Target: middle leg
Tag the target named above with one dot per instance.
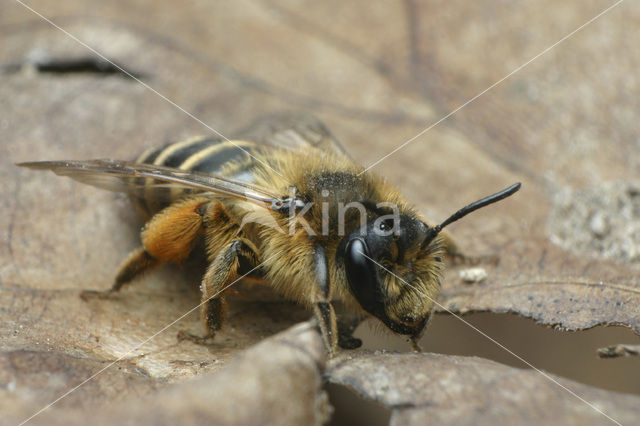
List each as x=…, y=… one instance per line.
x=234, y=261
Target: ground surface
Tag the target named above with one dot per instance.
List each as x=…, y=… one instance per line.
x=377, y=75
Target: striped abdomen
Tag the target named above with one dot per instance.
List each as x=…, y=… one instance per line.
x=203, y=154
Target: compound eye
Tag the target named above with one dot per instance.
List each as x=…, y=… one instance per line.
x=386, y=225
x=361, y=275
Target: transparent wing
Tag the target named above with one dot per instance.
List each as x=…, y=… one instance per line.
x=293, y=132
x=135, y=178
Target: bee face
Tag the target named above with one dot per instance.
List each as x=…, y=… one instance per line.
x=391, y=274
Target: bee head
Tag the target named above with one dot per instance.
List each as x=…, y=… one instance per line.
x=391, y=275
x=393, y=269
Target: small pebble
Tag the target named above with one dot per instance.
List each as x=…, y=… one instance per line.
x=598, y=225
x=473, y=275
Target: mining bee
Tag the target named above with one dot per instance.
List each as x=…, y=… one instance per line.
x=295, y=210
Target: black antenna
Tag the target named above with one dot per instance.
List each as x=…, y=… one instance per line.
x=432, y=232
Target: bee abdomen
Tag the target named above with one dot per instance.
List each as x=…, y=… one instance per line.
x=232, y=159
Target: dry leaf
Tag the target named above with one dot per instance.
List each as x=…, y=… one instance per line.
x=377, y=75
x=248, y=391
x=446, y=389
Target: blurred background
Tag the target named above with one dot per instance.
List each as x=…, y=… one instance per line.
x=561, y=118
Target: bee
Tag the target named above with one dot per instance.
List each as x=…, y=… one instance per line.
x=291, y=207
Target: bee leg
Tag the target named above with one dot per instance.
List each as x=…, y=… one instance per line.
x=346, y=327
x=237, y=259
x=415, y=344
x=138, y=262
x=167, y=237
x=460, y=258
x=323, y=310
x=212, y=312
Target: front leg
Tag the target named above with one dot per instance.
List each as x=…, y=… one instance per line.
x=323, y=309
x=347, y=325
x=236, y=259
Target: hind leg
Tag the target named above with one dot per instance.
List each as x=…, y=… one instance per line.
x=167, y=237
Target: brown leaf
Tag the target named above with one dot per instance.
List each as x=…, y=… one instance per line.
x=445, y=389
x=377, y=74
x=247, y=391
